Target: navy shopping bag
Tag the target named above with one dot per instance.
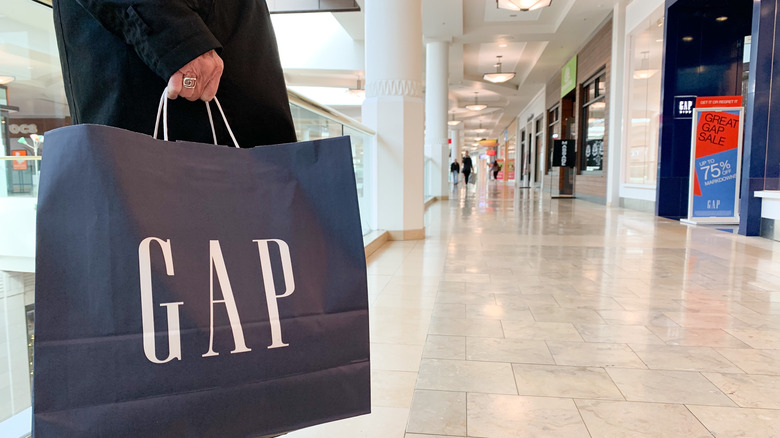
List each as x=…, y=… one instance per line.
x=191, y=290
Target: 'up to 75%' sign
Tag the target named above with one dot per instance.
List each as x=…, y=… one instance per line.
x=715, y=159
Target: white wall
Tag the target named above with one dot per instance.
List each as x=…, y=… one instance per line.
x=17, y=239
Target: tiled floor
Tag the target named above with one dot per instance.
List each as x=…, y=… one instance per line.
x=522, y=316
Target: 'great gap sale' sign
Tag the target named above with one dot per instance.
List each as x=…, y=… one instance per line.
x=715, y=159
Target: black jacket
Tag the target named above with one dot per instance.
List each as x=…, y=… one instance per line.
x=117, y=56
x=467, y=165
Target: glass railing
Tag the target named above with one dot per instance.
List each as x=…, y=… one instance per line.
x=19, y=176
x=314, y=121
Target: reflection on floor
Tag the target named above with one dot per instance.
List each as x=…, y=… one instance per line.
x=522, y=316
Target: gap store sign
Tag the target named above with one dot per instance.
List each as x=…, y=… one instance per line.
x=715, y=160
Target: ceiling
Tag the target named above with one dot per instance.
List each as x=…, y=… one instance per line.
x=533, y=44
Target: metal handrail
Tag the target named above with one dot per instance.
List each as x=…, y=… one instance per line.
x=328, y=113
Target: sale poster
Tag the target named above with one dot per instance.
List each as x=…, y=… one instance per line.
x=717, y=140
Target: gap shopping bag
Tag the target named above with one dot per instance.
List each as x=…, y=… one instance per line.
x=193, y=290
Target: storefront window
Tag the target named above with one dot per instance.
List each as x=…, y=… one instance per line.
x=640, y=159
x=594, y=114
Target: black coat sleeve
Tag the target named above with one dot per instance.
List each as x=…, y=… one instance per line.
x=165, y=34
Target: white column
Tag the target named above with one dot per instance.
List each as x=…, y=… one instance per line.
x=436, y=102
x=455, y=146
x=616, y=97
x=394, y=109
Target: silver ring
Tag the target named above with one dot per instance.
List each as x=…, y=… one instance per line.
x=189, y=82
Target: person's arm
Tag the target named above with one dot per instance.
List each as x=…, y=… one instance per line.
x=170, y=36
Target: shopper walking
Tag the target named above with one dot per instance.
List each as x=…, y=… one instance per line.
x=467, y=167
x=455, y=172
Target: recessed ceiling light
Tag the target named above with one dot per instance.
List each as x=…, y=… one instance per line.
x=722, y=19
x=687, y=39
x=502, y=45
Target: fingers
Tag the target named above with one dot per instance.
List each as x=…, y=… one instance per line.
x=206, y=69
x=175, y=85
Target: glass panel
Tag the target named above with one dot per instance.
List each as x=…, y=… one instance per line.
x=595, y=117
x=640, y=158
x=601, y=85
x=590, y=92
x=313, y=126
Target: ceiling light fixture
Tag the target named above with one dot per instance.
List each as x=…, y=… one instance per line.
x=480, y=129
x=5, y=80
x=498, y=77
x=476, y=106
x=453, y=122
x=644, y=71
x=687, y=39
x=359, y=91
x=721, y=19
x=524, y=5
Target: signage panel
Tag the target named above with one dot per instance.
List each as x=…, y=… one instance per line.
x=715, y=160
x=563, y=153
x=683, y=106
x=569, y=77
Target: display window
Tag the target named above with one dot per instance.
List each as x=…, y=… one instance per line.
x=642, y=117
x=594, y=116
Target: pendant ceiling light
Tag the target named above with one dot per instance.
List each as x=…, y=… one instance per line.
x=524, y=5
x=480, y=129
x=644, y=71
x=476, y=106
x=453, y=122
x=498, y=77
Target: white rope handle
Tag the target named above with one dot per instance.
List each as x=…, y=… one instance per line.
x=162, y=110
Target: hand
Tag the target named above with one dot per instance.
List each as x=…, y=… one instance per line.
x=206, y=69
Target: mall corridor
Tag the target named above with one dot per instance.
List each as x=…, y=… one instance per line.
x=524, y=316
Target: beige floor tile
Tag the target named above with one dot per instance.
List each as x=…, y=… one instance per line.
x=380, y=423
x=566, y=382
x=706, y=320
x=678, y=358
x=661, y=386
x=589, y=303
x=466, y=376
x=749, y=391
x=760, y=339
x=753, y=361
x=503, y=312
x=438, y=412
x=396, y=357
x=399, y=301
x=503, y=416
x=508, y=350
x=610, y=419
x=617, y=334
x=417, y=435
x=449, y=310
x=480, y=298
x=543, y=331
x=697, y=337
x=594, y=354
x=558, y=314
x=637, y=317
x=466, y=327
x=392, y=389
x=445, y=347
x=525, y=300
x=733, y=422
